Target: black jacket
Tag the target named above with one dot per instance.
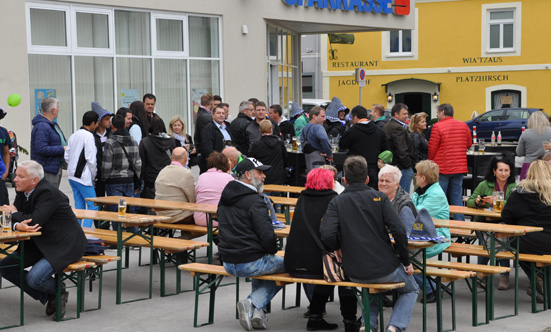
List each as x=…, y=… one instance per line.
x=368, y=141
x=253, y=133
x=62, y=241
x=213, y=140
x=287, y=129
x=155, y=154
x=238, y=132
x=358, y=222
x=270, y=150
x=526, y=209
x=421, y=146
x=245, y=228
x=400, y=144
x=302, y=253
x=202, y=119
x=99, y=148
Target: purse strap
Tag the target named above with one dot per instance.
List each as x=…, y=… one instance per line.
x=314, y=235
x=128, y=158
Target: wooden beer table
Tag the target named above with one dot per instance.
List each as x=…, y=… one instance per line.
x=12, y=239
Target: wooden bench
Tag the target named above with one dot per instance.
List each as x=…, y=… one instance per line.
x=170, y=249
x=96, y=273
x=216, y=273
x=75, y=273
x=539, y=265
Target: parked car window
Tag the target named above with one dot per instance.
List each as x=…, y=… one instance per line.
x=491, y=116
x=518, y=114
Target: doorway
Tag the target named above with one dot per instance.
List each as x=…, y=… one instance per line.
x=416, y=102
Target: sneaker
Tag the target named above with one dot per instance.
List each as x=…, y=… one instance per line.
x=64, y=299
x=503, y=283
x=245, y=309
x=259, y=319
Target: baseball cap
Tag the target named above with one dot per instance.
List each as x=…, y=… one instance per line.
x=248, y=164
x=96, y=107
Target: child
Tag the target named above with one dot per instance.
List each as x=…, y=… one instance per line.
x=384, y=158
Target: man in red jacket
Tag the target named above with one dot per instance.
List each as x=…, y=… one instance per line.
x=448, y=146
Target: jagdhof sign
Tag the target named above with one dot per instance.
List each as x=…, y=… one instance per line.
x=396, y=7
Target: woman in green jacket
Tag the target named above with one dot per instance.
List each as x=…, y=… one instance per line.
x=500, y=177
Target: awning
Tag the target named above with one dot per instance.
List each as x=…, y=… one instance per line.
x=386, y=85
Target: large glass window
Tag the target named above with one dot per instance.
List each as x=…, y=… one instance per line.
x=283, y=78
x=114, y=57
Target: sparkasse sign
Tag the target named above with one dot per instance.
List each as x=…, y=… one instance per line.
x=396, y=7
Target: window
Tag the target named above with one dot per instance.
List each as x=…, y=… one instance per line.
x=80, y=54
x=501, y=26
x=517, y=114
x=400, y=44
x=283, y=76
x=492, y=116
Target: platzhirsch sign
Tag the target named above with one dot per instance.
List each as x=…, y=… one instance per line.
x=396, y=7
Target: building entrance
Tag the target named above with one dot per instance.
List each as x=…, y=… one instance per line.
x=415, y=101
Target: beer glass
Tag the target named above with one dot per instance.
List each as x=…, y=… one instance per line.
x=122, y=208
x=6, y=222
x=499, y=200
x=481, y=146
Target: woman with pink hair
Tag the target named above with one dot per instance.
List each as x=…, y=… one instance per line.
x=303, y=255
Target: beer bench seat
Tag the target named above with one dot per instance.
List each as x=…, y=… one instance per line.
x=76, y=273
x=539, y=265
x=171, y=250
x=216, y=273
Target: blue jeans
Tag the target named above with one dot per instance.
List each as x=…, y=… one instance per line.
x=262, y=290
x=430, y=285
x=38, y=281
x=118, y=189
x=407, y=296
x=407, y=177
x=452, y=185
x=80, y=193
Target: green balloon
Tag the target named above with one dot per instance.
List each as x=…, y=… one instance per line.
x=14, y=100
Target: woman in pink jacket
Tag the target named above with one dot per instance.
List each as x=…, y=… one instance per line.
x=211, y=183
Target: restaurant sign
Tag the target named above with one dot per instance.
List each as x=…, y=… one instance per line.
x=396, y=7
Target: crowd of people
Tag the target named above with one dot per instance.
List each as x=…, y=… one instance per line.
x=132, y=153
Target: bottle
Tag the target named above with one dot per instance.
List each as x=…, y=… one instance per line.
x=523, y=128
x=499, y=138
x=474, y=134
x=493, y=138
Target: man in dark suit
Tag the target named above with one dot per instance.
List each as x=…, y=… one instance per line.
x=40, y=206
x=215, y=136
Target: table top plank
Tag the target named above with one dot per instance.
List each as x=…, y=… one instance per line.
x=130, y=218
x=291, y=201
x=455, y=209
x=282, y=188
x=510, y=230
x=155, y=204
x=17, y=236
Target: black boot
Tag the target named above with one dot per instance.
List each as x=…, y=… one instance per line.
x=352, y=325
x=317, y=323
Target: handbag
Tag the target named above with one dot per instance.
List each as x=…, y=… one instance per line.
x=332, y=264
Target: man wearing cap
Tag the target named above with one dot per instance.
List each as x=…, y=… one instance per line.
x=48, y=142
x=248, y=243
x=101, y=134
x=357, y=223
x=80, y=155
x=354, y=140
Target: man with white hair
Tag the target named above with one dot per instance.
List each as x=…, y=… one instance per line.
x=40, y=206
x=248, y=243
x=48, y=142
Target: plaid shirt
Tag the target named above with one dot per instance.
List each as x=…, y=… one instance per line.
x=115, y=166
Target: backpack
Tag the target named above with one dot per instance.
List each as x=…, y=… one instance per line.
x=95, y=247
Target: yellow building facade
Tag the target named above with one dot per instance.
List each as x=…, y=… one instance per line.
x=474, y=54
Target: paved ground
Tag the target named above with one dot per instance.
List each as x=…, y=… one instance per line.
x=175, y=313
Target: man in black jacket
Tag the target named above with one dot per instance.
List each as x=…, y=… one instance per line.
x=270, y=150
x=365, y=139
x=358, y=222
x=203, y=118
x=248, y=243
x=40, y=206
x=215, y=136
x=238, y=129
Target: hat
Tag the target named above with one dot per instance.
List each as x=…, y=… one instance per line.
x=333, y=109
x=420, y=228
x=248, y=164
x=296, y=110
x=96, y=107
x=2, y=113
x=386, y=156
